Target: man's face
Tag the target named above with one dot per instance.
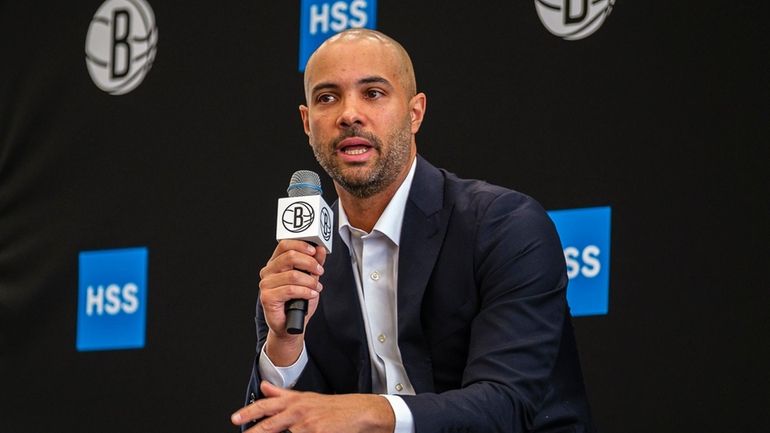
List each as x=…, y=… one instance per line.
x=359, y=119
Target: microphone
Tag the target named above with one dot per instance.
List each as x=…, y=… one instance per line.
x=304, y=215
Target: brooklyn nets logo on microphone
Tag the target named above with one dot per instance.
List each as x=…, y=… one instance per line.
x=297, y=217
x=573, y=19
x=326, y=224
x=121, y=44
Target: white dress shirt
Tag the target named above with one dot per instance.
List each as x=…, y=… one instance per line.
x=374, y=258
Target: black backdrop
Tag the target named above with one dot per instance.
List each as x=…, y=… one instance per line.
x=661, y=114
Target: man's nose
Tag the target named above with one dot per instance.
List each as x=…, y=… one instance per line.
x=351, y=114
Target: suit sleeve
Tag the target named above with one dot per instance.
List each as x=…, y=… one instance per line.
x=309, y=375
x=514, y=338
x=252, y=390
x=310, y=379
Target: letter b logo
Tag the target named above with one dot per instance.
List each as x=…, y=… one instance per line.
x=298, y=217
x=121, y=44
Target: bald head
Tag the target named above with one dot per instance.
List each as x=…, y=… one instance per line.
x=400, y=58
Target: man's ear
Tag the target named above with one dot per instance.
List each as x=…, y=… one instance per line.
x=417, y=107
x=305, y=122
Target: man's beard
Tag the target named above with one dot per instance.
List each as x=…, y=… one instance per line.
x=388, y=165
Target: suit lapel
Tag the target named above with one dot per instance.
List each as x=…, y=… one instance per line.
x=426, y=219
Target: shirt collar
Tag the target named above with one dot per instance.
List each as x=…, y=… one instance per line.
x=389, y=223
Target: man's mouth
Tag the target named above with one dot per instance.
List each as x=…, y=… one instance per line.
x=354, y=146
x=355, y=150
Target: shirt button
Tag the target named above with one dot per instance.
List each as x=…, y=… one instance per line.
x=399, y=387
x=375, y=275
x=381, y=338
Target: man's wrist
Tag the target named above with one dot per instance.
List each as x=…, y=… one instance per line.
x=283, y=351
x=380, y=418
x=283, y=377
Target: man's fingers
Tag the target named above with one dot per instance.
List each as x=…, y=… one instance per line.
x=279, y=297
x=288, y=278
x=290, y=260
x=282, y=287
x=283, y=247
x=270, y=390
x=261, y=408
x=293, y=245
x=320, y=255
x=271, y=410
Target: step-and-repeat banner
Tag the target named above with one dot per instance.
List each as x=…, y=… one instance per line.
x=144, y=143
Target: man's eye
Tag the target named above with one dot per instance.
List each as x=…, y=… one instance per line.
x=325, y=99
x=373, y=93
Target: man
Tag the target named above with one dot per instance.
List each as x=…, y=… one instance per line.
x=443, y=306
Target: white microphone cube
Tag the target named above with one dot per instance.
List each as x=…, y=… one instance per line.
x=307, y=218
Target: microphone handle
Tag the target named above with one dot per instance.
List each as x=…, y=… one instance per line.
x=296, y=310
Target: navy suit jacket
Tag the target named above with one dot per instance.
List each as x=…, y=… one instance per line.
x=483, y=325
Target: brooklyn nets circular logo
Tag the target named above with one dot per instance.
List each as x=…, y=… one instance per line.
x=573, y=19
x=121, y=44
x=297, y=217
x=326, y=224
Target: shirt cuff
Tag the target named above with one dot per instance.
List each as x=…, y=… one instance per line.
x=404, y=419
x=283, y=377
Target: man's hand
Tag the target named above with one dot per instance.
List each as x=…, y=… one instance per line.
x=291, y=273
x=309, y=412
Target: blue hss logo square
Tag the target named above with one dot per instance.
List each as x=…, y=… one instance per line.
x=112, y=299
x=321, y=19
x=585, y=237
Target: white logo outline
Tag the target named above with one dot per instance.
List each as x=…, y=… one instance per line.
x=139, y=31
x=559, y=17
